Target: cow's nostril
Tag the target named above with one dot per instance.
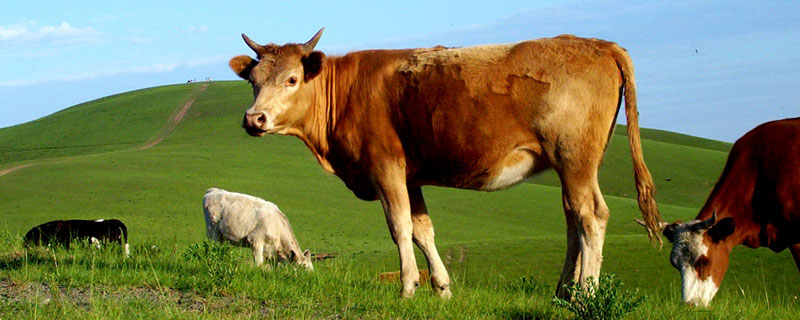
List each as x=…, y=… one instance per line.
x=261, y=119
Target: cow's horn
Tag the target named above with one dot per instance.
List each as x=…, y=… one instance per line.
x=309, y=46
x=259, y=49
x=707, y=224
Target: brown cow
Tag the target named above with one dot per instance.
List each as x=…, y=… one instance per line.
x=484, y=118
x=756, y=202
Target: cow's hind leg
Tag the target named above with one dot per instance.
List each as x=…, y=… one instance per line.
x=587, y=218
x=573, y=260
x=394, y=198
x=424, y=238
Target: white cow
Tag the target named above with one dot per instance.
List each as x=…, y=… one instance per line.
x=248, y=221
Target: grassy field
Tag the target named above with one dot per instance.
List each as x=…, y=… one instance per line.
x=86, y=162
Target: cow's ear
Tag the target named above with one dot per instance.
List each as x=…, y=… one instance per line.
x=242, y=65
x=307, y=254
x=312, y=65
x=722, y=229
x=292, y=255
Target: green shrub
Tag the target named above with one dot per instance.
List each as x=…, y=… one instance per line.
x=606, y=300
x=217, y=263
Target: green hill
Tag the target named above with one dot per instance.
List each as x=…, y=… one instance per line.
x=88, y=162
x=117, y=122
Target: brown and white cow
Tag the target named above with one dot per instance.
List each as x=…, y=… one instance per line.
x=756, y=202
x=484, y=118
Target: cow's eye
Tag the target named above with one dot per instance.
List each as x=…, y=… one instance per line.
x=291, y=82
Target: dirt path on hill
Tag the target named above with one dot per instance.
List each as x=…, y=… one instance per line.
x=176, y=119
x=12, y=169
x=173, y=122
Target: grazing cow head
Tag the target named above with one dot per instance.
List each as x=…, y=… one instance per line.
x=280, y=78
x=700, y=254
x=302, y=259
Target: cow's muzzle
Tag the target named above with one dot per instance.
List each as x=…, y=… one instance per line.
x=255, y=123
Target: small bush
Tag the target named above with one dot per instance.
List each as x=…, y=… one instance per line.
x=217, y=262
x=606, y=300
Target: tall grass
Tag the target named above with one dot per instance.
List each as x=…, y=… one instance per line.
x=86, y=282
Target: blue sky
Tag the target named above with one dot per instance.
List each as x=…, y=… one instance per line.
x=708, y=68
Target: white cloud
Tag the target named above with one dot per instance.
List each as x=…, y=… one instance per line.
x=12, y=32
x=61, y=34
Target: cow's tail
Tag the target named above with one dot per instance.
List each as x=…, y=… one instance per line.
x=125, y=238
x=644, y=181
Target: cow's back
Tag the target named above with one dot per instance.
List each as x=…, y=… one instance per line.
x=235, y=216
x=760, y=186
x=776, y=147
x=464, y=110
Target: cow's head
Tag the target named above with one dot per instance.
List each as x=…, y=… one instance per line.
x=303, y=259
x=700, y=254
x=280, y=77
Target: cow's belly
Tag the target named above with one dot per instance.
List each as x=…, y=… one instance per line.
x=510, y=174
x=236, y=230
x=512, y=169
x=482, y=171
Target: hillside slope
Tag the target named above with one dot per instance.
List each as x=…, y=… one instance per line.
x=116, y=122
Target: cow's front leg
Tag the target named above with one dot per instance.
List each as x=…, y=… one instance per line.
x=258, y=252
x=394, y=198
x=423, y=237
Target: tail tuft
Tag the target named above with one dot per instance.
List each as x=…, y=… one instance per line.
x=644, y=181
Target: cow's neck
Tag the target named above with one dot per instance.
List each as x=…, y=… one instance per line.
x=321, y=116
x=732, y=198
x=287, y=246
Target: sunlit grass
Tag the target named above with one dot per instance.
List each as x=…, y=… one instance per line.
x=86, y=282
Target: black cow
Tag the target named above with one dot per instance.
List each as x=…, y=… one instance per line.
x=62, y=232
